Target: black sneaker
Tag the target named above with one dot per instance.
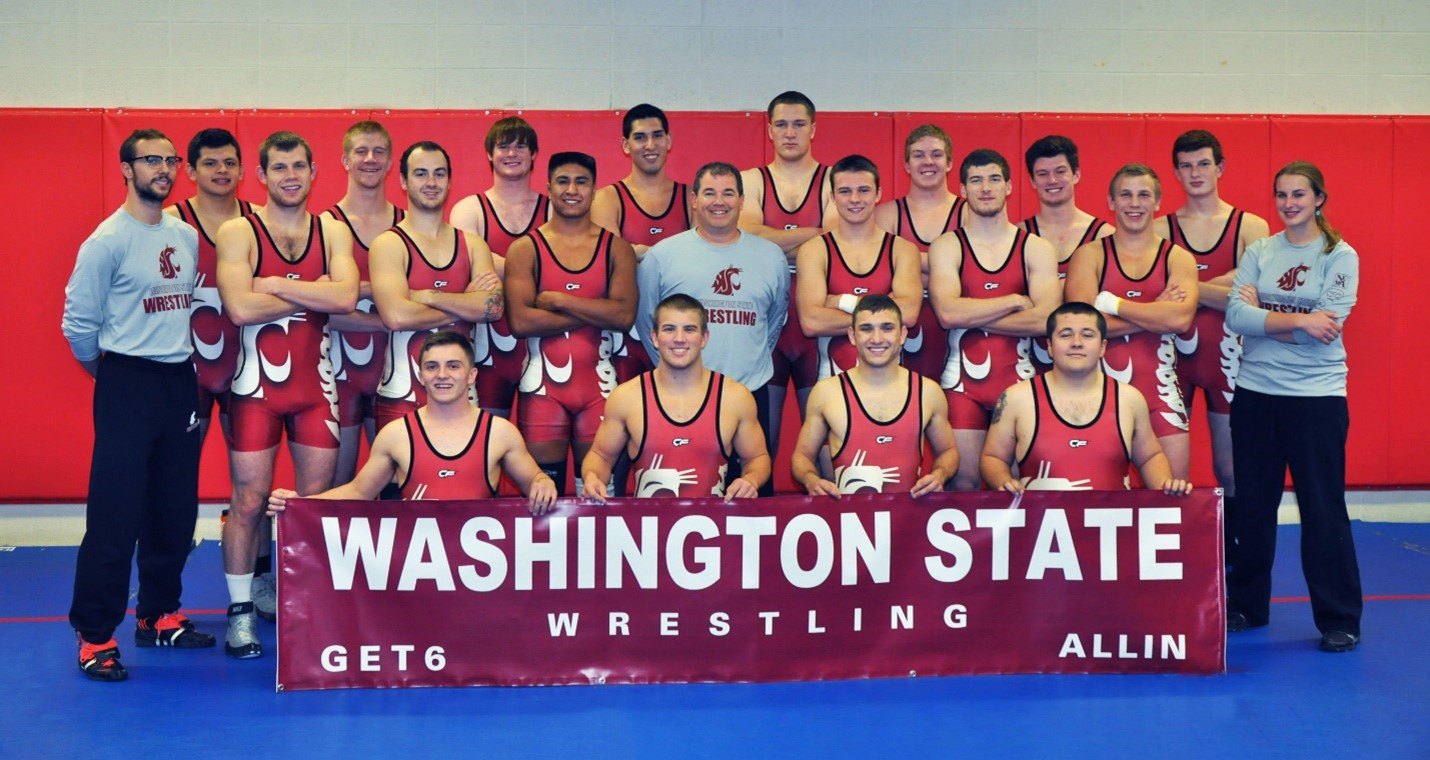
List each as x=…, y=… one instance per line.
x=101, y=661
x=1236, y=622
x=241, y=642
x=171, y=629
x=1339, y=641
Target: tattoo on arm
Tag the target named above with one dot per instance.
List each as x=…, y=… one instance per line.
x=998, y=409
x=493, y=306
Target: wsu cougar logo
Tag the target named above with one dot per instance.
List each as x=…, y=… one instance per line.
x=167, y=267
x=1294, y=277
x=726, y=282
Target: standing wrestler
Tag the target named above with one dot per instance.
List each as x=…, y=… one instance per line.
x=787, y=205
x=1053, y=170
x=281, y=272
x=1074, y=427
x=622, y=208
x=359, y=340
x=877, y=417
x=426, y=277
x=1292, y=295
x=216, y=168
x=1147, y=288
x=126, y=318
x=681, y=424
x=571, y=288
x=855, y=260
x=503, y=214
x=929, y=210
x=741, y=279
x=215, y=165
x=1215, y=233
x=413, y=453
x=993, y=286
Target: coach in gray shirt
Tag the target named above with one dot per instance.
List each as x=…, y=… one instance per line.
x=741, y=279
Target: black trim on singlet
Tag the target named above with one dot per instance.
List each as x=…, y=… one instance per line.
x=412, y=246
x=832, y=249
x=489, y=212
x=902, y=205
x=427, y=441
x=1107, y=382
x=1109, y=254
x=1030, y=225
x=190, y=216
x=603, y=241
x=623, y=194
x=1233, y=225
x=848, y=389
x=314, y=225
x=337, y=211
x=816, y=187
x=1020, y=241
x=716, y=383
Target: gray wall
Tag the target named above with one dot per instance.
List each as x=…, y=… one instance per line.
x=1264, y=56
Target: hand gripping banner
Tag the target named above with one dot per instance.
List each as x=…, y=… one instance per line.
x=389, y=594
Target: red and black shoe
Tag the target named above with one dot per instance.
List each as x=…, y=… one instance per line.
x=101, y=661
x=171, y=629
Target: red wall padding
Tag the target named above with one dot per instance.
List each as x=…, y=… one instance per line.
x=47, y=395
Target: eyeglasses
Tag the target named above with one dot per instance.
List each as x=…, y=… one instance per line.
x=154, y=162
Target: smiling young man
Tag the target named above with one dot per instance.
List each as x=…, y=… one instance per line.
x=1147, y=288
x=126, y=318
x=500, y=216
x=1216, y=233
x=929, y=210
x=877, y=417
x=359, y=340
x=1054, y=171
x=1074, y=428
x=571, y=289
x=426, y=277
x=992, y=286
x=281, y=272
x=447, y=448
x=680, y=423
x=855, y=260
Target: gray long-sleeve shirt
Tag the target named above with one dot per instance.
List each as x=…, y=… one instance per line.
x=131, y=290
x=1293, y=279
x=744, y=287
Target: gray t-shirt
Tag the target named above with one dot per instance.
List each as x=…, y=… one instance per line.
x=131, y=290
x=744, y=287
x=1296, y=279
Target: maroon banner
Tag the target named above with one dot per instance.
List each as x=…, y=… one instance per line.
x=386, y=594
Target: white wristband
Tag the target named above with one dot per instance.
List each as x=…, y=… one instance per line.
x=847, y=302
x=1107, y=303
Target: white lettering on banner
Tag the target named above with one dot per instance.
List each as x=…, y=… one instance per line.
x=1174, y=647
x=694, y=561
x=334, y=658
x=901, y=617
x=1054, y=547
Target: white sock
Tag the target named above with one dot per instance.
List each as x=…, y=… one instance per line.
x=240, y=587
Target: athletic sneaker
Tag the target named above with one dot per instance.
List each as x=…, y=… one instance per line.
x=171, y=629
x=265, y=596
x=101, y=661
x=242, y=639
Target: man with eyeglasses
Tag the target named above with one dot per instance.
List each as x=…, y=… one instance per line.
x=126, y=318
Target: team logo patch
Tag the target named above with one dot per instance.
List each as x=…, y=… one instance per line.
x=1076, y=443
x=656, y=230
x=167, y=268
x=1294, y=277
x=884, y=439
x=573, y=286
x=726, y=282
x=446, y=473
x=680, y=442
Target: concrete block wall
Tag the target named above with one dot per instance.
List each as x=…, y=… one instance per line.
x=1211, y=56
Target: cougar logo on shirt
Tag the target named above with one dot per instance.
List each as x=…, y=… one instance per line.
x=726, y=282
x=1294, y=277
x=446, y=473
x=167, y=267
